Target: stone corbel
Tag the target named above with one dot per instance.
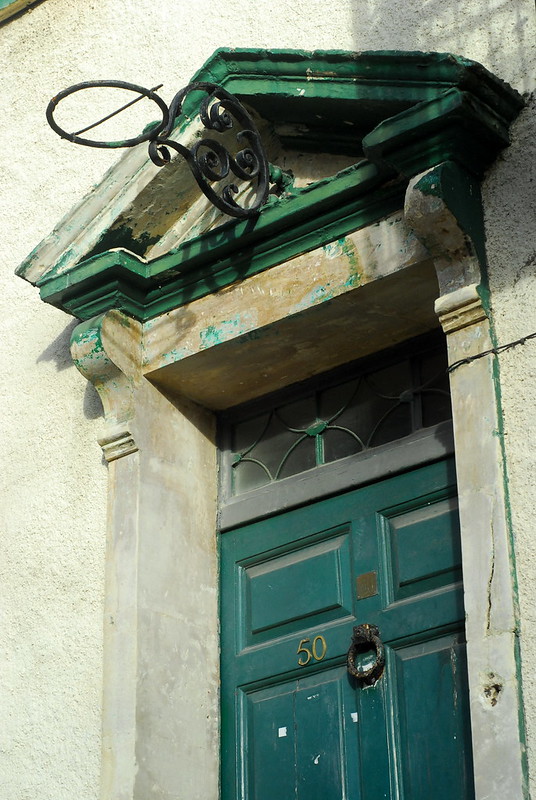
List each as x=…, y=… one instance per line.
x=443, y=207
x=106, y=350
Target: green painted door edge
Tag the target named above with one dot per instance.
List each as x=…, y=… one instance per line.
x=406, y=112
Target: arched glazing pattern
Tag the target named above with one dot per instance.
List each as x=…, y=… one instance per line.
x=366, y=408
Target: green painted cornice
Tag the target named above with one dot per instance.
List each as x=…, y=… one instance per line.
x=340, y=96
x=294, y=224
x=454, y=126
x=400, y=114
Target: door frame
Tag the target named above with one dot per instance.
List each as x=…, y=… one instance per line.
x=162, y=561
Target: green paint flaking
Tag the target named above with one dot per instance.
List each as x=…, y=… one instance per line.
x=197, y=268
x=123, y=236
x=446, y=103
x=65, y=260
x=225, y=330
x=177, y=354
x=460, y=192
x=213, y=335
x=354, y=264
x=334, y=249
x=89, y=333
x=319, y=294
x=344, y=248
x=125, y=321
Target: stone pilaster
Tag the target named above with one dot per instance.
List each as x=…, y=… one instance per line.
x=161, y=649
x=487, y=557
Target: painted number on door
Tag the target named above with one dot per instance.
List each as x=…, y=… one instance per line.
x=317, y=651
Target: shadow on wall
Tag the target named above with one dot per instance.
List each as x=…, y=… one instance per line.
x=510, y=211
x=59, y=353
x=92, y=403
x=501, y=29
x=499, y=34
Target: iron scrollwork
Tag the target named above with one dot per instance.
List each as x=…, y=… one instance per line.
x=363, y=638
x=209, y=160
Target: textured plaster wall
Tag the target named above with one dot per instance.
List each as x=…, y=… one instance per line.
x=510, y=204
x=54, y=483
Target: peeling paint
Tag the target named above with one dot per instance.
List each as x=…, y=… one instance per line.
x=345, y=248
x=226, y=329
x=334, y=249
x=317, y=295
x=177, y=354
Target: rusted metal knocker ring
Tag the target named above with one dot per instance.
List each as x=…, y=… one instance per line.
x=362, y=637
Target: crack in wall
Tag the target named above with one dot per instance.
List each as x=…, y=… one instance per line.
x=490, y=580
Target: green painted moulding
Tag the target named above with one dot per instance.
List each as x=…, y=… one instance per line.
x=8, y=8
x=398, y=113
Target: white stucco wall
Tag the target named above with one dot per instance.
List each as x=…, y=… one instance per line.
x=54, y=483
x=510, y=204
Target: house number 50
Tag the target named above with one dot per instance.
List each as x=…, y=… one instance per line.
x=318, y=650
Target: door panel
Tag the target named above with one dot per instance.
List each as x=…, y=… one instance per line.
x=307, y=585
x=297, y=738
x=269, y=730
x=428, y=681
x=295, y=723
x=422, y=548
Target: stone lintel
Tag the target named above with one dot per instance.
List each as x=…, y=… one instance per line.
x=340, y=302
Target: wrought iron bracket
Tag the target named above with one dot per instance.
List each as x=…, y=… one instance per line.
x=209, y=160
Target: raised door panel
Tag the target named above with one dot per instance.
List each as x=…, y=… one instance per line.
x=430, y=697
x=298, y=737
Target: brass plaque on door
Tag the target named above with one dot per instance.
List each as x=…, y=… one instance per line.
x=367, y=585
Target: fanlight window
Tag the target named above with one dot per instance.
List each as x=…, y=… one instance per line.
x=367, y=407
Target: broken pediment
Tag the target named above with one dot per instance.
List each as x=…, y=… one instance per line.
x=344, y=132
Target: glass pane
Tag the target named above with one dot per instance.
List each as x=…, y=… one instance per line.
x=301, y=458
x=361, y=412
x=339, y=444
x=248, y=475
x=298, y=415
x=274, y=444
x=337, y=399
x=395, y=423
x=390, y=382
x=246, y=433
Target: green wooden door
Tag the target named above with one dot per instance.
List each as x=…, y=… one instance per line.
x=295, y=724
